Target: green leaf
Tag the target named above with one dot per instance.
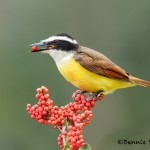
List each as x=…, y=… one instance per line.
x=66, y=122
x=67, y=144
x=85, y=147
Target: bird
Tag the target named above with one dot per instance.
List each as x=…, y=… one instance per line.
x=85, y=68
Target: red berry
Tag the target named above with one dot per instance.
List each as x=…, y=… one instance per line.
x=73, y=140
x=28, y=105
x=62, y=122
x=46, y=96
x=34, y=48
x=32, y=116
x=41, y=121
x=39, y=90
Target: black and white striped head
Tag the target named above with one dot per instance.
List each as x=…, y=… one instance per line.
x=62, y=41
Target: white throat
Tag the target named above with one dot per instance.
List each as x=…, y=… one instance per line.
x=59, y=56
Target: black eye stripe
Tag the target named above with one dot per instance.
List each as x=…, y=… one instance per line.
x=62, y=45
x=66, y=45
x=55, y=42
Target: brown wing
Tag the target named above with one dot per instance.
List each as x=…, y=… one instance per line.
x=99, y=64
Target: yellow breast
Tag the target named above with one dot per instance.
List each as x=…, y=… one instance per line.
x=87, y=80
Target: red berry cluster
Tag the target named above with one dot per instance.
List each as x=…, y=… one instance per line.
x=69, y=119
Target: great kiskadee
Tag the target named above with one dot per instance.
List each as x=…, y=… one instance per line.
x=86, y=68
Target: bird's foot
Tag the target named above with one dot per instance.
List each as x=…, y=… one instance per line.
x=80, y=95
x=77, y=93
x=96, y=95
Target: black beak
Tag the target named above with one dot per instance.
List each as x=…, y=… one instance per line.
x=37, y=47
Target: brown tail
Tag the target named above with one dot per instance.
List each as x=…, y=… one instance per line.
x=139, y=81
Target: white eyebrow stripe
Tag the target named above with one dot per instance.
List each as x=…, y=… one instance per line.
x=63, y=38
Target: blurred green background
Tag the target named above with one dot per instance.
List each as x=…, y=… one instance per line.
x=119, y=29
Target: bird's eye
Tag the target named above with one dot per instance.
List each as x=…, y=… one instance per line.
x=55, y=42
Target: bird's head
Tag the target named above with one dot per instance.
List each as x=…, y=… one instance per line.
x=59, y=42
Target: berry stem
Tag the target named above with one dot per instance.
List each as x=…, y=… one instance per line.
x=59, y=128
x=64, y=138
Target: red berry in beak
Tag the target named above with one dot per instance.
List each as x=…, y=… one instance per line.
x=34, y=48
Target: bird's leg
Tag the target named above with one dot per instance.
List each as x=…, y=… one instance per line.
x=95, y=95
x=92, y=96
x=79, y=92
